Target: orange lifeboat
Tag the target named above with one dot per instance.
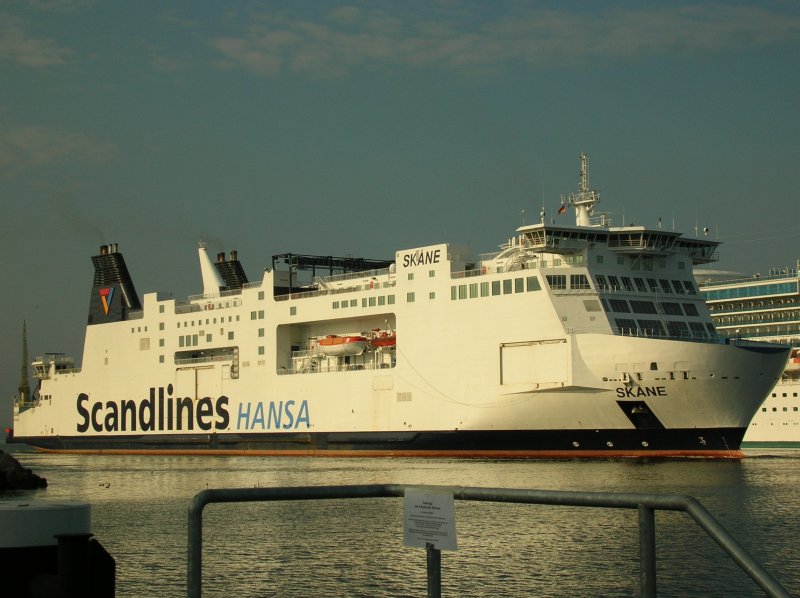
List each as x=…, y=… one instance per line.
x=343, y=345
x=382, y=338
x=794, y=361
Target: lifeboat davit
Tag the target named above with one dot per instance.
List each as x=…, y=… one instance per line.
x=343, y=345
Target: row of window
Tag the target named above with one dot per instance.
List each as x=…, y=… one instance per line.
x=674, y=329
x=365, y=302
x=777, y=288
x=495, y=287
x=666, y=287
x=625, y=306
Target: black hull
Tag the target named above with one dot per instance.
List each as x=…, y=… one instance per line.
x=716, y=442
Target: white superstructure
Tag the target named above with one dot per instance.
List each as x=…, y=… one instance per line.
x=571, y=340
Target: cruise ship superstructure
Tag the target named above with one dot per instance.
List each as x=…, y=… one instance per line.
x=765, y=308
x=572, y=340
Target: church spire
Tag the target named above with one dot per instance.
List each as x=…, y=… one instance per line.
x=24, y=388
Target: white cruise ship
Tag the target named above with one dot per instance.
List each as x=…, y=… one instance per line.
x=765, y=308
x=572, y=340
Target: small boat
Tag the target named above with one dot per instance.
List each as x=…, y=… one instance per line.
x=343, y=345
x=383, y=338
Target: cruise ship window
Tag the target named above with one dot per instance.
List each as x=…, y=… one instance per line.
x=161, y=309
x=601, y=282
x=599, y=259
x=507, y=286
x=626, y=282
x=676, y=284
x=390, y=299
x=473, y=290
x=411, y=276
x=484, y=289
x=495, y=287
x=519, y=285
x=462, y=291
x=614, y=283
x=432, y=295
x=260, y=332
x=410, y=297
x=353, y=303
x=653, y=285
x=372, y=301
x=665, y=286
x=335, y=305
x=381, y=300
x=293, y=310
x=640, y=285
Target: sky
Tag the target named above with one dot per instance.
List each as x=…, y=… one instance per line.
x=361, y=128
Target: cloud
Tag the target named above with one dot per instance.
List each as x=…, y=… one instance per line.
x=25, y=147
x=19, y=47
x=350, y=37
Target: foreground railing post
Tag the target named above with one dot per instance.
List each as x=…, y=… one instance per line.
x=434, y=571
x=647, y=551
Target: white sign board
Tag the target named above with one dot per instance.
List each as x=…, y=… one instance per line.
x=429, y=518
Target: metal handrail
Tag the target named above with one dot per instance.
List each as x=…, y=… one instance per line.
x=646, y=505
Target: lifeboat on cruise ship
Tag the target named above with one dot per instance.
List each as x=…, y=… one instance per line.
x=342, y=345
x=794, y=361
x=383, y=338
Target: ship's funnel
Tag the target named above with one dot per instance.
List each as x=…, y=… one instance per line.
x=113, y=293
x=212, y=282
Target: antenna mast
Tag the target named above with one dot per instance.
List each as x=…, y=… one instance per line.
x=585, y=200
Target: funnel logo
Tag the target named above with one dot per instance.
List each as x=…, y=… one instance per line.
x=105, y=296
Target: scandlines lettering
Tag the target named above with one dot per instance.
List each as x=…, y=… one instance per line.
x=159, y=412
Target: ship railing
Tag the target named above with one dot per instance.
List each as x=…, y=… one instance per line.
x=205, y=359
x=186, y=308
x=252, y=285
x=715, y=339
x=221, y=294
x=382, y=272
x=323, y=366
x=322, y=292
x=644, y=504
x=750, y=279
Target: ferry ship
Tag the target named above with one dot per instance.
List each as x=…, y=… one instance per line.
x=765, y=308
x=571, y=340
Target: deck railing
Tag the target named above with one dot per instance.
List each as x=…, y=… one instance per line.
x=644, y=504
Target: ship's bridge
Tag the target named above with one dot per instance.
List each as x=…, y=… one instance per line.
x=630, y=240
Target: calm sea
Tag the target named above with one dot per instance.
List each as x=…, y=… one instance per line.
x=355, y=548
